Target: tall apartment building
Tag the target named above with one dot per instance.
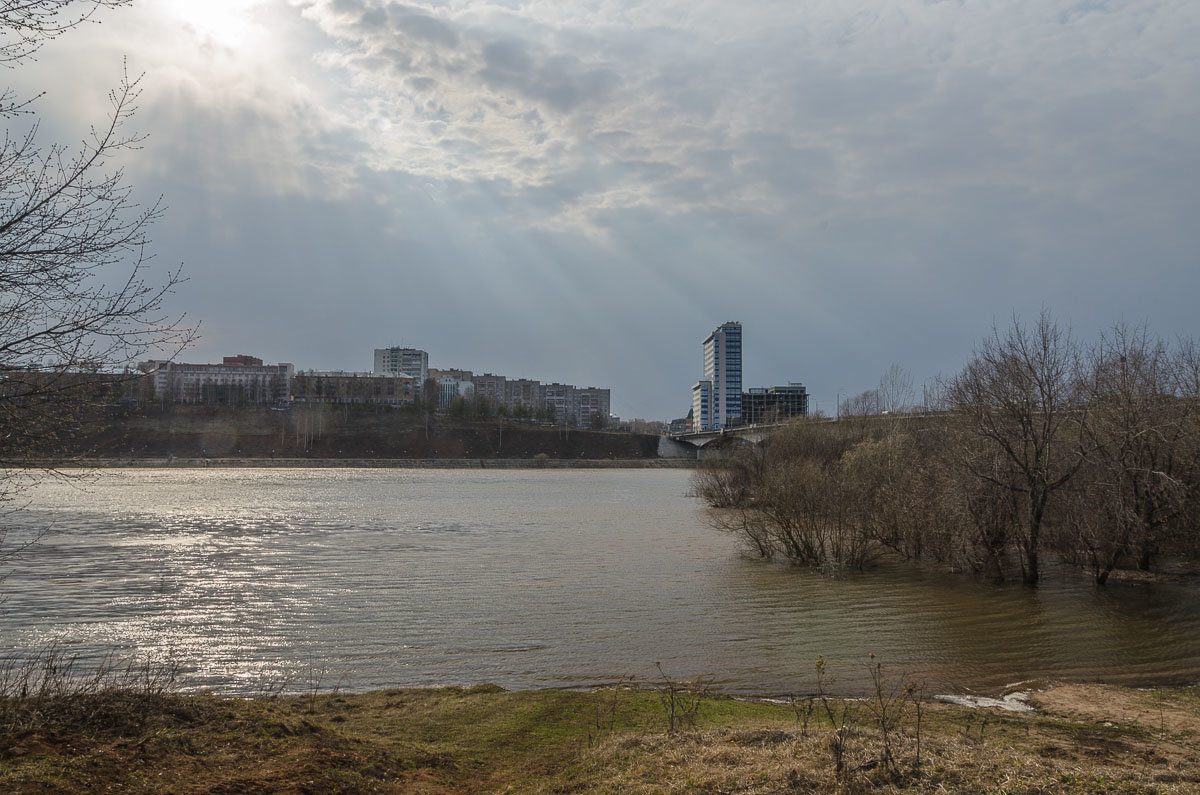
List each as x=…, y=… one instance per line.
x=723, y=368
x=238, y=379
x=491, y=388
x=702, y=417
x=524, y=392
x=594, y=407
x=559, y=397
x=402, y=361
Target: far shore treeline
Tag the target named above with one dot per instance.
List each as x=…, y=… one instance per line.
x=1040, y=445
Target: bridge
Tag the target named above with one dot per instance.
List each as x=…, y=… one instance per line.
x=745, y=433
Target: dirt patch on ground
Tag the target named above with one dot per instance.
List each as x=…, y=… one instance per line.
x=1176, y=711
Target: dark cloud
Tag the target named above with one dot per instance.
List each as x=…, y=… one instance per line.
x=507, y=57
x=420, y=25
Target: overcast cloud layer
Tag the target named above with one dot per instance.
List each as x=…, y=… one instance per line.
x=581, y=191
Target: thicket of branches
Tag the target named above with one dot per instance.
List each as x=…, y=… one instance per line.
x=77, y=295
x=1090, y=453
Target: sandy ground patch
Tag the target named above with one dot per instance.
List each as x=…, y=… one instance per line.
x=1123, y=706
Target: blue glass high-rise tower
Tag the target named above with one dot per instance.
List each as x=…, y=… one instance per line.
x=723, y=369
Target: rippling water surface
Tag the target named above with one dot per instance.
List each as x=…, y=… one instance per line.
x=526, y=578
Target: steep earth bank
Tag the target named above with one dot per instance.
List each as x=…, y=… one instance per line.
x=321, y=432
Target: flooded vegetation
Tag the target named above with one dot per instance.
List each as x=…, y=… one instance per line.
x=1042, y=448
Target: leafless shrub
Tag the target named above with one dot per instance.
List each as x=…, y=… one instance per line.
x=606, y=708
x=893, y=710
x=747, y=524
x=681, y=700
x=841, y=717
x=803, y=709
x=730, y=483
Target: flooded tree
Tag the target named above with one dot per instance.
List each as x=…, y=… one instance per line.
x=1019, y=398
x=1144, y=460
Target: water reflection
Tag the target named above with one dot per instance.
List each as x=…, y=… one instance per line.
x=528, y=579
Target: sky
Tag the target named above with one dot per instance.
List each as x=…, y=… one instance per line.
x=581, y=191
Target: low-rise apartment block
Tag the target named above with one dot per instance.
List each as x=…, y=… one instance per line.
x=580, y=407
x=350, y=388
x=236, y=380
x=577, y=406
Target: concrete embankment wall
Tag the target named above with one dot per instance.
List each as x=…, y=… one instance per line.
x=669, y=448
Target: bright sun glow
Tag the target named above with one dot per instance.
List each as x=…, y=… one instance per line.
x=228, y=23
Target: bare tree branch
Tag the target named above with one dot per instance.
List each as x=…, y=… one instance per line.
x=79, y=299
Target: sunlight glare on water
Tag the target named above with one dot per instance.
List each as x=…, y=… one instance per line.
x=527, y=578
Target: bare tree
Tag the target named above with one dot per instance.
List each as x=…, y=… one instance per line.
x=895, y=390
x=864, y=404
x=1143, y=463
x=894, y=393
x=78, y=302
x=1018, y=398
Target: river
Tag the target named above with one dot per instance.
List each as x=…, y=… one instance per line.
x=366, y=578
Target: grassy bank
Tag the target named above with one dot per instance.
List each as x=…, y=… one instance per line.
x=1082, y=738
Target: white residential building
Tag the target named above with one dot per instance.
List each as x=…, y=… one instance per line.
x=449, y=388
x=238, y=379
x=403, y=361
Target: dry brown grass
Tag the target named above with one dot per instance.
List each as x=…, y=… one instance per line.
x=1020, y=757
x=1085, y=739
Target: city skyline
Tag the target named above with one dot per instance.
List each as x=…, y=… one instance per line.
x=585, y=191
x=399, y=377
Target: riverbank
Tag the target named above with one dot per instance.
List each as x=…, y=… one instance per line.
x=325, y=434
x=1081, y=738
x=385, y=463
